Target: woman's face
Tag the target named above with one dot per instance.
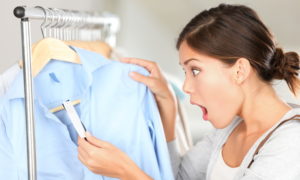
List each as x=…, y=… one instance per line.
x=211, y=85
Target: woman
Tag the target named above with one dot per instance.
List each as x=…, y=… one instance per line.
x=230, y=60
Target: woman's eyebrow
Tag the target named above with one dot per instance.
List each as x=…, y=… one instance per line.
x=189, y=60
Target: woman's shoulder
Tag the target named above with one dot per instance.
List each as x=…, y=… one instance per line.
x=279, y=157
x=290, y=123
x=286, y=133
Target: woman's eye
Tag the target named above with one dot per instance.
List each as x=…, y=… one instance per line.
x=195, y=72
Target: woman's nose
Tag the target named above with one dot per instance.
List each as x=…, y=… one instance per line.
x=187, y=87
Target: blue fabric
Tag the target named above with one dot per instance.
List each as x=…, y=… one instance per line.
x=113, y=108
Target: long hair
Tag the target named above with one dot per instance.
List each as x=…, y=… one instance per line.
x=229, y=32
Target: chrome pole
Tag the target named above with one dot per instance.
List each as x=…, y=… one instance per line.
x=29, y=100
x=108, y=19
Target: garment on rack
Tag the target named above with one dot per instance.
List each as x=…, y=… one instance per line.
x=7, y=77
x=7, y=159
x=182, y=130
x=113, y=108
x=8, y=163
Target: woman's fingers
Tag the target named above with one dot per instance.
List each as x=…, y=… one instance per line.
x=104, y=158
x=149, y=65
x=141, y=78
x=90, y=150
x=82, y=155
x=155, y=81
x=96, y=142
x=84, y=151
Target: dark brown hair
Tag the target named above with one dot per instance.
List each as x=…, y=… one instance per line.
x=229, y=32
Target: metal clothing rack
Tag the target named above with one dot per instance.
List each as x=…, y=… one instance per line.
x=61, y=24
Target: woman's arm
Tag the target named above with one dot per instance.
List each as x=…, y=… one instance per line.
x=166, y=101
x=103, y=158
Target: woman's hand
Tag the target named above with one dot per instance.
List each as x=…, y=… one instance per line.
x=103, y=158
x=155, y=81
x=165, y=99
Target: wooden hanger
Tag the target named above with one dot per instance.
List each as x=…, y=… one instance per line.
x=64, y=52
x=48, y=49
x=99, y=47
x=59, y=108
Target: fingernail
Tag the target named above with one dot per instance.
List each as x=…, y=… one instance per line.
x=88, y=134
x=132, y=74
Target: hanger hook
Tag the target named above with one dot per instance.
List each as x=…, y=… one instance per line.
x=71, y=28
x=61, y=23
x=57, y=18
x=48, y=26
x=42, y=26
x=72, y=25
x=65, y=25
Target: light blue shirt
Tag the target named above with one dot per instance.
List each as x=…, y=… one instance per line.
x=113, y=108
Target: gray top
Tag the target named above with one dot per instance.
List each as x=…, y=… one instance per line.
x=278, y=159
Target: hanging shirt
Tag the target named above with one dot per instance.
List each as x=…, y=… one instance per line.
x=6, y=155
x=7, y=78
x=113, y=108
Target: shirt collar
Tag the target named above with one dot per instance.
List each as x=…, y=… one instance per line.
x=90, y=61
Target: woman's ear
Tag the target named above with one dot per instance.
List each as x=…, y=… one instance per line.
x=241, y=70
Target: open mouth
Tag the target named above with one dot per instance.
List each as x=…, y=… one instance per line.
x=204, y=112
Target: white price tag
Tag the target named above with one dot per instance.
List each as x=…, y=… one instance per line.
x=73, y=115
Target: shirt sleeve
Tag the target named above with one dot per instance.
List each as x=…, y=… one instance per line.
x=193, y=164
x=279, y=157
x=8, y=168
